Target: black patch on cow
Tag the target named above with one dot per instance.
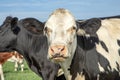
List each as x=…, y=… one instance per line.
x=87, y=43
x=118, y=66
x=118, y=41
x=77, y=65
x=92, y=58
x=111, y=75
x=102, y=18
x=104, y=62
x=90, y=26
x=104, y=46
x=119, y=52
x=90, y=42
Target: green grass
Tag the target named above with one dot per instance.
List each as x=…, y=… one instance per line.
x=10, y=74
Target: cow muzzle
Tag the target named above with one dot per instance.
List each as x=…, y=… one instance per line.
x=57, y=53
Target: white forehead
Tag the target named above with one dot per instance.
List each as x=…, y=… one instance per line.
x=61, y=18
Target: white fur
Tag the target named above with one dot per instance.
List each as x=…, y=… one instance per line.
x=100, y=67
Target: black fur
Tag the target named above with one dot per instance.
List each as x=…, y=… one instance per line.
x=104, y=46
x=102, y=18
x=118, y=41
x=119, y=51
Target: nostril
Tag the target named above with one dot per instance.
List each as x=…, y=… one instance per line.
x=57, y=49
x=62, y=49
x=51, y=49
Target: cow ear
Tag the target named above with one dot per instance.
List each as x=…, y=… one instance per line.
x=34, y=28
x=8, y=19
x=14, y=22
x=89, y=26
x=14, y=26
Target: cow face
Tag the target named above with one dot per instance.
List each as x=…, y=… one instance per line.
x=8, y=32
x=60, y=30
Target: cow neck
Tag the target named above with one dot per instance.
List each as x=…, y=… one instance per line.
x=78, y=61
x=66, y=64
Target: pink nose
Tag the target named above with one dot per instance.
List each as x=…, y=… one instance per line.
x=57, y=51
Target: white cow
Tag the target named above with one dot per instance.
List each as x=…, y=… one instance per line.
x=15, y=57
x=60, y=29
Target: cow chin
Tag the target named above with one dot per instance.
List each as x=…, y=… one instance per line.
x=59, y=59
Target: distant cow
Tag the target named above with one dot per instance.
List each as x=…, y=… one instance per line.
x=4, y=56
x=88, y=50
x=26, y=36
x=18, y=59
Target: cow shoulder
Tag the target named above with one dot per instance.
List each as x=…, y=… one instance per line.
x=112, y=26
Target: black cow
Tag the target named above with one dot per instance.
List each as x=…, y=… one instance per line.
x=26, y=37
x=88, y=50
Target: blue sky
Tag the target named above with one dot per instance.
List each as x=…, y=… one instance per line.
x=41, y=9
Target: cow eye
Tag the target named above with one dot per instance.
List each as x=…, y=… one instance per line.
x=72, y=29
x=47, y=30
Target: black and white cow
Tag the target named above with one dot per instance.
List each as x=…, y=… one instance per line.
x=90, y=51
x=26, y=37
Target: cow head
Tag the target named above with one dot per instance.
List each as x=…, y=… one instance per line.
x=8, y=32
x=60, y=30
x=11, y=29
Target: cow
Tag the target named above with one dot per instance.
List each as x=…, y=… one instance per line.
x=4, y=56
x=26, y=37
x=18, y=59
x=87, y=49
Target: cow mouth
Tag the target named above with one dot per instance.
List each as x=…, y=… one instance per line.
x=59, y=58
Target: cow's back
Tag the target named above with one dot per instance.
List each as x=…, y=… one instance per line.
x=109, y=34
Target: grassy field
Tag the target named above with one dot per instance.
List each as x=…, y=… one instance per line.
x=10, y=74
